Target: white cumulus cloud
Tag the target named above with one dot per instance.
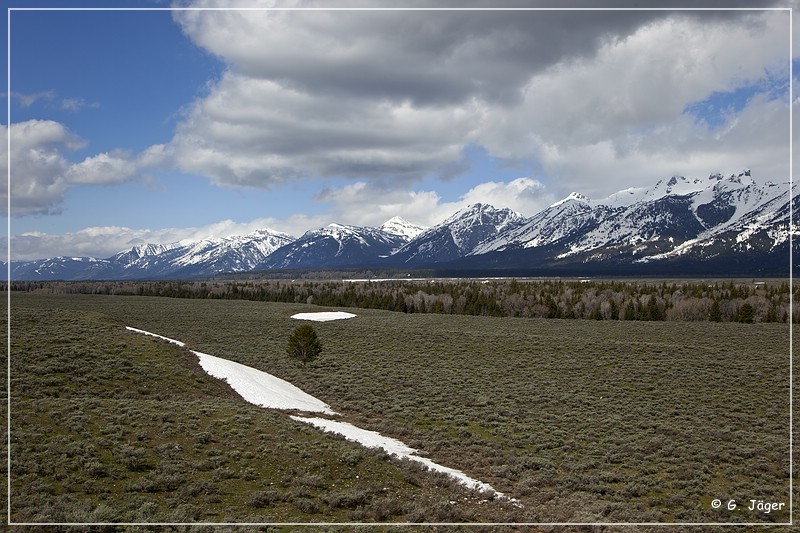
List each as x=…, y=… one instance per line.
x=371, y=203
x=618, y=119
x=595, y=101
x=371, y=95
x=38, y=165
x=41, y=172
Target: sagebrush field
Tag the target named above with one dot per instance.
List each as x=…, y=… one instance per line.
x=581, y=421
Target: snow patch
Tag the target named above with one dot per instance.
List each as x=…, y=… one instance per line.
x=266, y=390
x=324, y=316
x=373, y=439
x=143, y=332
x=573, y=197
x=260, y=388
x=402, y=228
x=253, y=385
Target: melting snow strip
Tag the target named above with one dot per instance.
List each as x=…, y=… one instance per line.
x=143, y=332
x=373, y=439
x=261, y=388
x=255, y=386
x=266, y=390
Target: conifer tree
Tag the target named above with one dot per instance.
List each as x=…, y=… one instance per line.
x=715, y=315
x=746, y=314
x=304, y=344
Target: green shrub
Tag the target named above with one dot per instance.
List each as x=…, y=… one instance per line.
x=304, y=345
x=263, y=498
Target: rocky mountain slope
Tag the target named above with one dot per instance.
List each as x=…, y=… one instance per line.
x=721, y=225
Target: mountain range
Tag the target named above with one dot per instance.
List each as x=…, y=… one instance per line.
x=721, y=225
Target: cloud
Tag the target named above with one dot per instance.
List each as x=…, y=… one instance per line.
x=365, y=95
x=348, y=206
x=524, y=195
x=103, y=169
x=88, y=242
x=257, y=132
x=105, y=241
x=38, y=165
x=41, y=173
x=421, y=207
x=596, y=101
x=372, y=203
x=427, y=58
x=619, y=119
x=76, y=104
x=366, y=203
x=27, y=100
x=68, y=104
x=374, y=95
x=756, y=138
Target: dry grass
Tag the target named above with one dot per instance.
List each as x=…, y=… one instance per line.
x=110, y=426
x=583, y=421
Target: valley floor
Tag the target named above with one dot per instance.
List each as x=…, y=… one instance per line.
x=265, y=390
x=583, y=421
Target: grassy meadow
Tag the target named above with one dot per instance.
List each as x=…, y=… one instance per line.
x=581, y=421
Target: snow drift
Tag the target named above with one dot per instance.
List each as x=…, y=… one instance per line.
x=265, y=390
x=255, y=386
x=324, y=316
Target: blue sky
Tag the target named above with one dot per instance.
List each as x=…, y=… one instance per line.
x=131, y=126
x=119, y=68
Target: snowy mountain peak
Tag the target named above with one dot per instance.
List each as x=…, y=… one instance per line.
x=481, y=213
x=459, y=235
x=150, y=249
x=572, y=197
x=734, y=182
x=743, y=177
x=267, y=233
x=695, y=221
x=401, y=227
x=674, y=186
x=624, y=197
x=141, y=251
x=469, y=210
x=335, y=246
x=330, y=229
x=677, y=185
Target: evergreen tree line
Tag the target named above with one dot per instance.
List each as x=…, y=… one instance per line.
x=730, y=301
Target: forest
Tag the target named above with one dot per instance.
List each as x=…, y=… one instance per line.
x=745, y=301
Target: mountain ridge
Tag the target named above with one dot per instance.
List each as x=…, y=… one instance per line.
x=679, y=224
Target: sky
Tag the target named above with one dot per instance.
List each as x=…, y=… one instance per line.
x=171, y=123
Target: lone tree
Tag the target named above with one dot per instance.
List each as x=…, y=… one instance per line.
x=304, y=344
x=746, y=314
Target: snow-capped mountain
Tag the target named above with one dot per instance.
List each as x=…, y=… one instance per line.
x=720, y=225
x=402, y=228
x=239, y=253
x=678, y=218
x=751, y=220
x=457, y=236
x=565, y=221
x=206, y=257
x=140, y=253
x=336, y=246
x=68, y=268
x=641, y=221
